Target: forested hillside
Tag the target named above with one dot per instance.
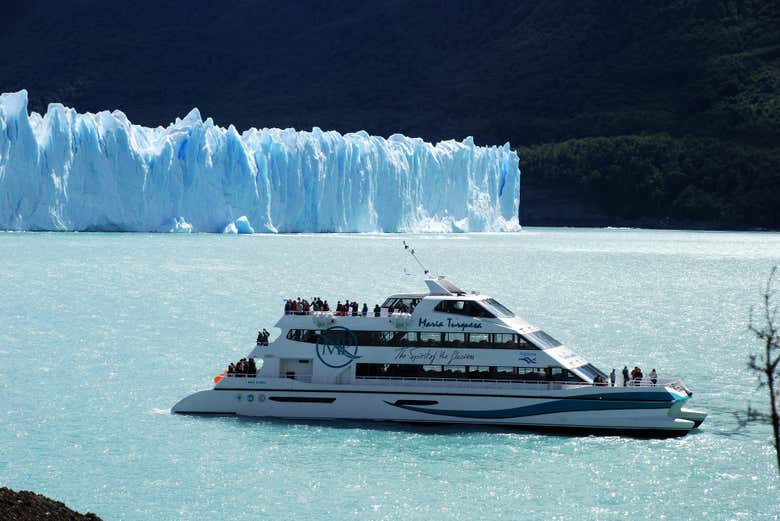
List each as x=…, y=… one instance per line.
x=663, y=113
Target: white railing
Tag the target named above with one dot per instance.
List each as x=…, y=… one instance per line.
x=334, y=314
x=675, y=383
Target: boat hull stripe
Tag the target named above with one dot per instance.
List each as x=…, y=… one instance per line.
x=658, y=396
x=552, y=407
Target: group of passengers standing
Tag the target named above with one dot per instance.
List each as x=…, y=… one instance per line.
x=304, y=307
x=244, y=367
x=633, y=378
x=262, y=337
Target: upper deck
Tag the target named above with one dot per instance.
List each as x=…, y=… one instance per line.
x=444, y=308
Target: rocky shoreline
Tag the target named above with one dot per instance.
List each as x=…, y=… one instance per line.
x=29, y=506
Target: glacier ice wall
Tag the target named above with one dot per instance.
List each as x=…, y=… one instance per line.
x=71, y=171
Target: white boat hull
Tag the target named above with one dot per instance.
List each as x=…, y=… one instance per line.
x=593, y=409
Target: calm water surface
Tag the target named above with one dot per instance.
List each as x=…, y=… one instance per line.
x=100, y=334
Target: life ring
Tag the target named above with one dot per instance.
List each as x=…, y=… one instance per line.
x=250, y=397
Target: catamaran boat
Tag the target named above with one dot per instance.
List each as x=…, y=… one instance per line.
x=444, y=356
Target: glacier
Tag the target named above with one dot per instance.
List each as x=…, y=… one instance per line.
x=99, y=172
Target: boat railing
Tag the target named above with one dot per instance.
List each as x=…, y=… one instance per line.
x=550, y=384
x=336, y=314
x=675, y=383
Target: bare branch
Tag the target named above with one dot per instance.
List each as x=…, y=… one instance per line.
x=765, y=364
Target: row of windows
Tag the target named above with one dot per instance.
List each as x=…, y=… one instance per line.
x=416, y=339
x=466, y=372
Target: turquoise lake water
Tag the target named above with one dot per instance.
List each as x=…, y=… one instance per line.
x=100, y=334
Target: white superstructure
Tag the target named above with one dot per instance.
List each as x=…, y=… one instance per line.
x=447, y=357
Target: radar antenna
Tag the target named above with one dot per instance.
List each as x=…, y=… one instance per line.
x=411, y=252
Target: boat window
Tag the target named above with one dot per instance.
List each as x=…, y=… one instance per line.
x=501, y=310
x=303, y=335
x=406, y=339
x=479, y=340
x=506, y=373
x=467, y=308
x=454, y=371
x=559, y=374
x=343, y=337
x=542, y=339
x=369, y=338
x=454, y=339
x=531, y=373
x=523, y=343
x=505, y=341
x=481, y=372
x=428, y=338
x=431, y=370
x=397, y=303
x=590, y=371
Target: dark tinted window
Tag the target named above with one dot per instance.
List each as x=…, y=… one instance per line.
x=467, y=308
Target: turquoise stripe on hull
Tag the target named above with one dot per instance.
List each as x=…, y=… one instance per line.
x=541, y=408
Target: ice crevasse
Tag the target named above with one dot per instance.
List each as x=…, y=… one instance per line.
x=69, y=171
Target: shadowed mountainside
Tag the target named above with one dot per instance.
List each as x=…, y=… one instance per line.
x=657, y=113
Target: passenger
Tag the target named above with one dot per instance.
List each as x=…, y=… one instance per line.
x=377, y=310
x=287, y=307
x=232, y=368
x=325, y=306
x=653, y=377
x=364, y=312
x=338, y=308
x=259, y=337
x=266, y=334
x=251, y=367
x=354, y=309
x=612, y=378
x=390, y=310
x=625, y=375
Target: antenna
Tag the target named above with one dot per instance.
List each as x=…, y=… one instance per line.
x=411, y=251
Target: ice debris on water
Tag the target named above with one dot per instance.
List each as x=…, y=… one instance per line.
x=69, y=171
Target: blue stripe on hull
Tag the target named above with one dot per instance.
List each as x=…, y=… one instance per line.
x=541, y=408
